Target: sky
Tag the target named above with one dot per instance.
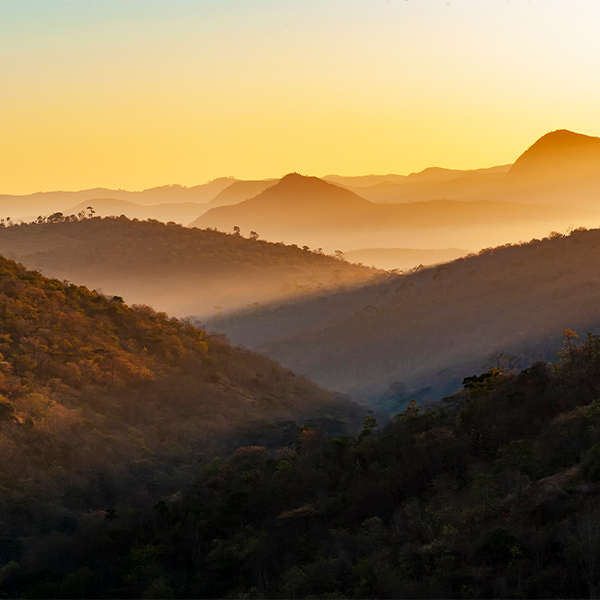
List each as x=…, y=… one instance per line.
x=134, y=94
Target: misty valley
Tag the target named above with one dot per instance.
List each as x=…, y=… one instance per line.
x=377, y=386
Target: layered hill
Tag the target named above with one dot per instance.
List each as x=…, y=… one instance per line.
x=239, y=191
x=435, y=183
x=560, y=165
x=183, y=271
x=308, y=210
x=104, y=405
x=561, y=168
x=416, y=334
x=29, y=206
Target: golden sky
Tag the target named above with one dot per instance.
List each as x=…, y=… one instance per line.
x=136, y=94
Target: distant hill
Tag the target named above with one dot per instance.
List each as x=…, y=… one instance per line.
x=239, y=191
x=436, y=183
x=558, y=156
x=183, y=271
x=103, y=405
x=560, y=168
x=43, y=203
x=308, y=210
x=415, y=335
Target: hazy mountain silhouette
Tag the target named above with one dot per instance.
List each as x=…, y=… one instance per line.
x=308, y=210
x=436, y=183
x=44, y=203
x=239, y=191
x=430, y=327
x=180, y=270
x=558, y=156
x=562, y=167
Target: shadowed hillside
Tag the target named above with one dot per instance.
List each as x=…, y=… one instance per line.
x=183, y=271
x=389, y=341
x=308, y=210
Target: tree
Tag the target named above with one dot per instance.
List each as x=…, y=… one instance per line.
x=236, y=230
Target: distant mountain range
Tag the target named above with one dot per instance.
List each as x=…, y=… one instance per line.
x=301, y=209
x=44, y=203
x=560, y=172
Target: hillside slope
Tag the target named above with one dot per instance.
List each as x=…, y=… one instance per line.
x=493, y=494
x=102, y=404
x=180, y=270
x=391, y=340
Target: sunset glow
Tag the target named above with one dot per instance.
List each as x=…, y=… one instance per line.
x=140, y=94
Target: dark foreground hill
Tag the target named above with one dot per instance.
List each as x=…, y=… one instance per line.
x=418, y=333
x=182, y=271
x=492, y=494
x=308, y=210
x=102, y=405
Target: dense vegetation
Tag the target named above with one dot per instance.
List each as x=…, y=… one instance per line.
x=104, y=406
x=493, y=493
x=173, y=268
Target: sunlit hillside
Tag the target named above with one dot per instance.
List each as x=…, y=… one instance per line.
x=103, y=405
x=417, y=334
x=177, y=269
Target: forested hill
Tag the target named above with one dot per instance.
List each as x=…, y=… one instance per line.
x=417, y=332
x=182, y=271
x=102, y=405
x=492, y=494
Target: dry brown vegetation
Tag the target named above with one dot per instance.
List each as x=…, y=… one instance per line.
x=102, y=404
